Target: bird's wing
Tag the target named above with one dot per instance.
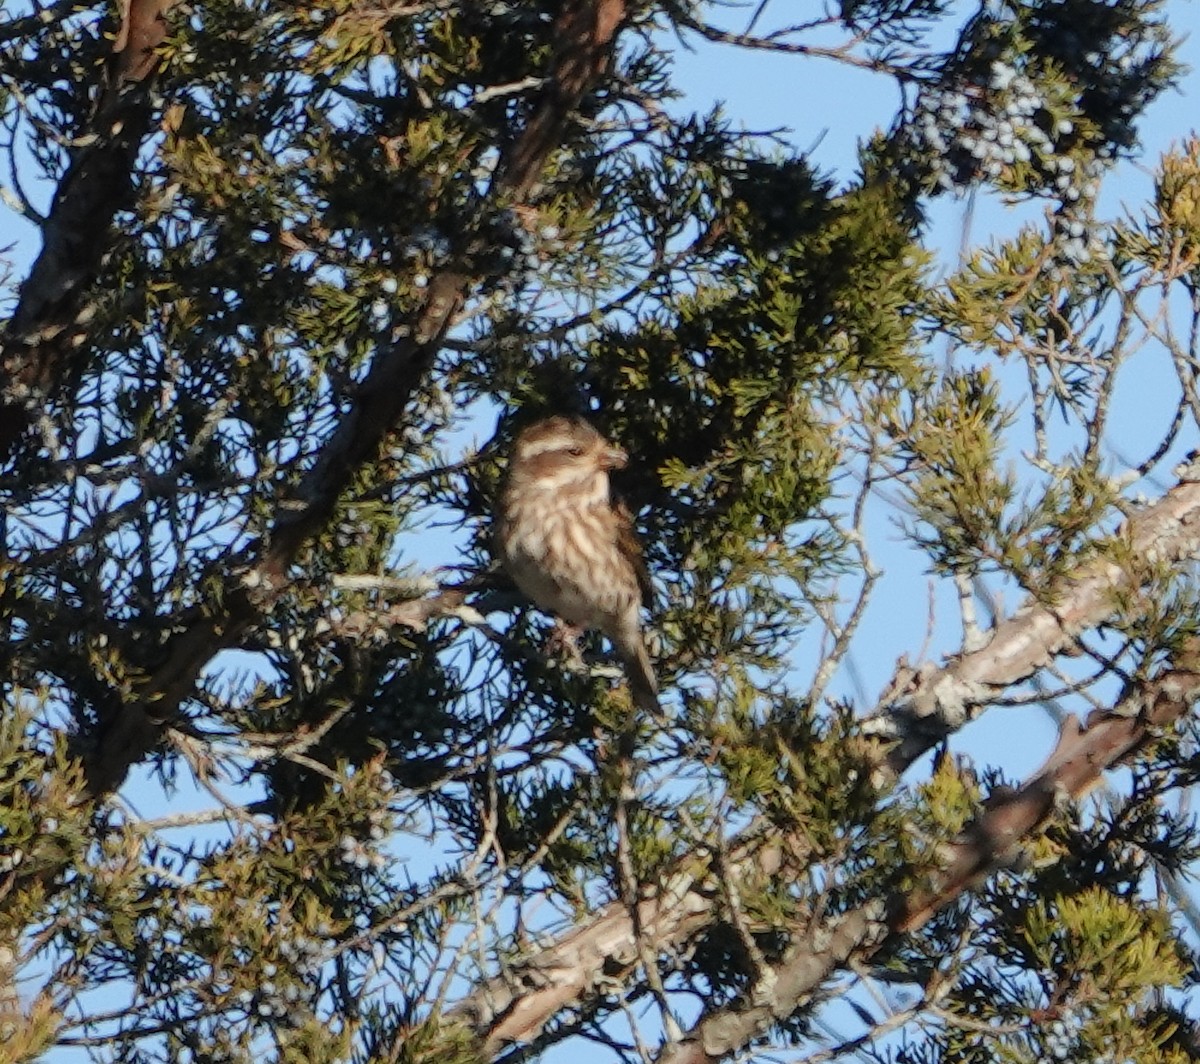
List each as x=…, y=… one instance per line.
x=631, y=549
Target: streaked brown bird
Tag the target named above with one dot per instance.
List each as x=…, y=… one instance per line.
x=569, y=547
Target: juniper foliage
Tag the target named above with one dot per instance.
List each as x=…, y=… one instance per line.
x=286, y=770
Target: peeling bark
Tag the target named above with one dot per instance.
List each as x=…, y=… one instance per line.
x=1082, y=754
x=928, y=704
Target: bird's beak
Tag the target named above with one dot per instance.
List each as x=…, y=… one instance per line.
x=613, y=458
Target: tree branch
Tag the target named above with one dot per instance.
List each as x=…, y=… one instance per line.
x=43, y=343
x=1080, y=756
x=928, y=704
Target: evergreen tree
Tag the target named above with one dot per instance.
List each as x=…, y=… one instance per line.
x=296, y=253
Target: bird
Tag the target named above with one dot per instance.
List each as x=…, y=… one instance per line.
x=572, y=549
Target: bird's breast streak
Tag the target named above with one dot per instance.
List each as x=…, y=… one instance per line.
x=568, y=571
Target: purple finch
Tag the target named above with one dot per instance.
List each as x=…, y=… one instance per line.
x=569, y=547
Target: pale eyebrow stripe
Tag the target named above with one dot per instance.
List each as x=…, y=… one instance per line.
x=550, y=443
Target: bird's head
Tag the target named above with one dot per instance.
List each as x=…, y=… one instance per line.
x=560, y=453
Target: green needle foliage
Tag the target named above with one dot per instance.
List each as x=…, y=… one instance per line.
x=289, y=771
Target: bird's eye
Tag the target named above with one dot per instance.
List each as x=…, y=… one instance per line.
x=575, y=452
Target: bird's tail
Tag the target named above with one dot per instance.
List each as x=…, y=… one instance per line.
x=642, y=683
